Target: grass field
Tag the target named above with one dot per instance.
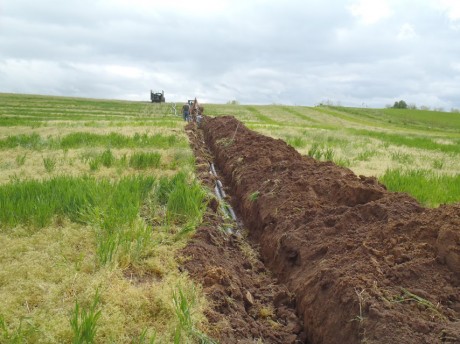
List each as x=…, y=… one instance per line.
x=97, y=196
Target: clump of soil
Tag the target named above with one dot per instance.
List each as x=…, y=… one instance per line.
x=246, y=302
x=365, y=264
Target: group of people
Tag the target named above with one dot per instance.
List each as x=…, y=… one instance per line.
x=192, y=111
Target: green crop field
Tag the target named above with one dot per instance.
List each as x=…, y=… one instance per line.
x=98, y=196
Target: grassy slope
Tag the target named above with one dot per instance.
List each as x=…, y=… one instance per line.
x=401, y=147
x=90, y=220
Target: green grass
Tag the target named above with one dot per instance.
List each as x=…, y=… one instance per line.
x=185, y=202
x=296, y=112
x=65, y=235
x=49, y=163
x=428, y=187
x=84, y=321
x=260, y=116
x=296, y=141
x=18, y=335
x=403, y=158
x=21, y=159
x=183, y=308
x=411, y=141
x=254, y=196
x=94, y=164
x=82, y=139
x=366, y=155
x=110, y=207
x=107, y=158
x=144, y=160
x=407, y=118
x=318, y=153
x=35, y=203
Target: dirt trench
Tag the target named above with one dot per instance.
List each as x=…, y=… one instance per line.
x=364, y=264
x=247, y=305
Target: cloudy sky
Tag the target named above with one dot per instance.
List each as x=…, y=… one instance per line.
x=352, y=52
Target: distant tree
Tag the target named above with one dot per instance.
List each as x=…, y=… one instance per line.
x=454, y=110
x=233, y=102
x=424, y=107
x=412, y=106
x=400, y=105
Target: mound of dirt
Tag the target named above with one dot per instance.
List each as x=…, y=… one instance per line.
x=365, y=264
x=246, y=302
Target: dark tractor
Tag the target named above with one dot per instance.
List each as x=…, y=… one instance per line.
x=157, y=97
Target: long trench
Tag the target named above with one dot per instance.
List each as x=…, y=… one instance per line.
x=247, y=304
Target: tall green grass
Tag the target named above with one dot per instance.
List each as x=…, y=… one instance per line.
x=84, y=321
x=183, y=306
x=144, y=160
x=49, y=163
x=296, y=141
x=112, y=209
x=29, y=141
x=21, y=334
x=182, y=200
x=35, y=202
x=81, y=139
x=429, y=188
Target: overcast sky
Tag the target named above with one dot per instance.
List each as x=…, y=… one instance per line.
x=356, y=52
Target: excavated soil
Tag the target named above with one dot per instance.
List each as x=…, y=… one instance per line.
x=365, y=264
x=246, y=303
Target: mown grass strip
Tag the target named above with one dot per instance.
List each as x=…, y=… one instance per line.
x=298, y=114
x=409, y=141
x=429, y=188
x=423, y=119
x=261, y=117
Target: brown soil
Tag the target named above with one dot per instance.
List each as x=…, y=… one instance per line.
x=364, y=264
x=246, y=303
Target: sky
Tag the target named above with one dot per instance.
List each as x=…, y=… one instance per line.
x=366, y=53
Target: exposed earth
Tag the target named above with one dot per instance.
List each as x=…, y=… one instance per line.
x=359, y=264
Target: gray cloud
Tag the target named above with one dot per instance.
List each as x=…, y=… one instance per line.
x=269, y=51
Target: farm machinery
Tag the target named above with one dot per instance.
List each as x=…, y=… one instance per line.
x=157, y=97
x=195, y=111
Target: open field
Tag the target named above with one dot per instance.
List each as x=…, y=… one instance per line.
x=95, y=199
x=97, y=196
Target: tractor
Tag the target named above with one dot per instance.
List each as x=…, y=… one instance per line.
x=157, y=97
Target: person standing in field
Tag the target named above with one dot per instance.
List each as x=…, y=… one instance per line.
x=186, y=112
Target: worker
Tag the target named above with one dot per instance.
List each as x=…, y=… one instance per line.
x=186, y=112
